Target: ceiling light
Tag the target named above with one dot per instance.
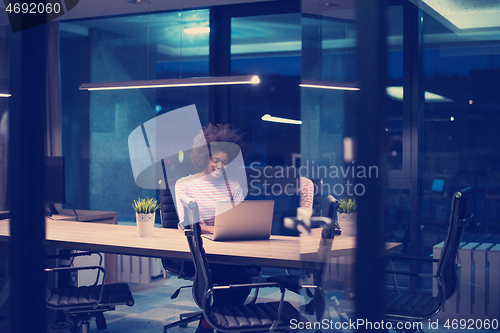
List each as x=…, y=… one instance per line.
x=170, y=83
x=462, y=14
x=328, y=85
x=397, y=94
x=202, y=30
x=268, y=117
x=4, y=95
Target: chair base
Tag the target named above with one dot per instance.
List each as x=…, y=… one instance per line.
x=81, y=321
x=185, y=319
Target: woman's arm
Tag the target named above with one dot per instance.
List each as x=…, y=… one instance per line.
x=206, y=229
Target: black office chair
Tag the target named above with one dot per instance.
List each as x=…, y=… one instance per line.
x=183, y=269
x=252, y=316
x=401, y=306
x=330, y=228
x=82, y=303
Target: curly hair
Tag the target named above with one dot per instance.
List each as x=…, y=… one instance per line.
x=221, y=137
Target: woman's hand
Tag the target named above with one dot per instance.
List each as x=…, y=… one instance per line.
x=207, y=229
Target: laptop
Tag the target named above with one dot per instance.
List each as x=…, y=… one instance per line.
x=247, y=220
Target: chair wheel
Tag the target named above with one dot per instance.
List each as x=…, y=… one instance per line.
x=75, y=327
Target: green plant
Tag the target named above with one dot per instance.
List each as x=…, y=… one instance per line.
x=145, y=206
x=348, y=206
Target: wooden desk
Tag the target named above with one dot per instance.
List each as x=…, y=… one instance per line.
x=279, y=251
x=92, y=216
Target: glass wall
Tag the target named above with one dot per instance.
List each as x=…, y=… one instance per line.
x=96, y=124
x=460, y=146
x=398, y=221
x=329, y=41
x=268, y=46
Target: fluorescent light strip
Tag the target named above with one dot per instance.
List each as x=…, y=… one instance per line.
x=4, y=95
x=396, y=93
x=327, y=85
x=268, y=117
x=202, y=30
x=170, y=83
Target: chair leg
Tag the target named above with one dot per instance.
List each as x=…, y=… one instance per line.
x=185, y=319
x=100, y=321
x=85, y=326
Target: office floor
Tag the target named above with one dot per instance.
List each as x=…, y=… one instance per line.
x=153, y=308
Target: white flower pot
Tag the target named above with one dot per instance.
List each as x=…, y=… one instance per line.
x=145, y=224
x=347, y=223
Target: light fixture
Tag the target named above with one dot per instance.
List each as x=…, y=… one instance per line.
x=396, y=93
x=176, y=82
x=200, y=30
x=328, y=85
x=268, y=117
x=4, y=95
x=184, y=82
x=458, y=15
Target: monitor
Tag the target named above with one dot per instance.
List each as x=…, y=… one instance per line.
x=54, y=182
x=437, y=185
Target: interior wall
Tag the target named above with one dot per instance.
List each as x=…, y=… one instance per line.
x=75, y=69
x=113, y=116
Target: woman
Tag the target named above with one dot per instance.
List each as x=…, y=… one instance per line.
x=211, y=185
x=207, y=187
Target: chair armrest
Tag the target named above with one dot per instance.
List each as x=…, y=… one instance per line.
x=248, y=285
x=428, y=259
x=401, y=272
x=394, y=273
x=410, y=273
x=78, y=254
x=101, y=269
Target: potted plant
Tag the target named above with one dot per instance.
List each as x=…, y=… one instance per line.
x=145, y=216
x=347, y=215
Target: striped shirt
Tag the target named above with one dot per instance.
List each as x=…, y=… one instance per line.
x=206, y=193
x=306, y=191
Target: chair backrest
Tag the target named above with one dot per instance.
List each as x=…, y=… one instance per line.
x=169, y=219
x=447, y=267
x=330, y=207
x=202, y=278
x=168, y=214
